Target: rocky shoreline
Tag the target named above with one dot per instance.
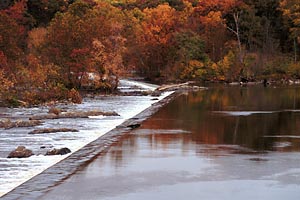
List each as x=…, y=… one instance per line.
x=60, y=171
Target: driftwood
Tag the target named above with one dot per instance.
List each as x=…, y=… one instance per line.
x=76, y=114
x=52, y=130
x=180, y=86
x=7, y=124
x=135, y=93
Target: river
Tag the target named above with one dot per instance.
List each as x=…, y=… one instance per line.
x=221, y=143
x=14, y=171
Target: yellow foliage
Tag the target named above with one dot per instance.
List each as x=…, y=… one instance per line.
x=5, y=84
x=294, y=69
x=36, y=38
x=228, y=61
x=194, y=69
x=213, y=19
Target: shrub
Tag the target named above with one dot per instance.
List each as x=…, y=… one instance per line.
x=74, y=96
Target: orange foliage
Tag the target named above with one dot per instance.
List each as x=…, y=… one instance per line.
x=205, y=6
x=159, y=23
x=5, y=84
x=36, y=38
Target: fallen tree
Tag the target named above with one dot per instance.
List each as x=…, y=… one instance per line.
x=76, y=114
x=52, y=130
x=181, y=86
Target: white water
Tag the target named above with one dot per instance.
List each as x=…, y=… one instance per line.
x=14, y=172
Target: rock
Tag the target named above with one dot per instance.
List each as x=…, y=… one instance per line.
x=7, y=124
x=156, y=93
x=52, y=130
x=61, y=151
x=54, y=110
x=134, y=126
x=20, y=152
x=46, y=147
x=42, y=117
x=258, y=159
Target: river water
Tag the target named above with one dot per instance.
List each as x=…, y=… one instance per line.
x=222, y=143
x=14, y=172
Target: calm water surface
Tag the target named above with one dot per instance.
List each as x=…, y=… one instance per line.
x=222, y=143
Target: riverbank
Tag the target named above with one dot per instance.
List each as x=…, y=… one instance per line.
x=127, y=108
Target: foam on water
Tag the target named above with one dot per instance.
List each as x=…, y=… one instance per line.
x=243, y=113
x=14, y=172
x=283, y=136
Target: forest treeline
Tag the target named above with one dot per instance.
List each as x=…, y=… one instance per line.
x=50, y=49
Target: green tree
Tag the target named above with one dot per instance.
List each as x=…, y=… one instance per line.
x=187, y=57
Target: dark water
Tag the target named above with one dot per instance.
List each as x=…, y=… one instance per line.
x=223, y=143
x=258, y=118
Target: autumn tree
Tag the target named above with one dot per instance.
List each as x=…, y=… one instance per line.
x=71, y=39
x=291, y=12
x=11, y=42
x=158, y=25
x=215, y=34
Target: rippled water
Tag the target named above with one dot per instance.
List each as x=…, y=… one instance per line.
x=223, y=143
x=14, y=172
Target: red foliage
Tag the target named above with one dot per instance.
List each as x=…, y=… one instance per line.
x=3, y=60
x=17, y=11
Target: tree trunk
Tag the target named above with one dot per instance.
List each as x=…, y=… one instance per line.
x=236, y=31
x=236, y=21
x=295, y=50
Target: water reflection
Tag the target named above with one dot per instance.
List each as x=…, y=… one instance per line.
x=189, y=151
x=241, y=116
x=249, y=120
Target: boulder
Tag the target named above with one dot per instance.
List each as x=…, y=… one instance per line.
x=134, y=126
x=20, y=152
x=156, y=93
x=61, y=151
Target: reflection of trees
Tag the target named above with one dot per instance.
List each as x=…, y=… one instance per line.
x=193, y=113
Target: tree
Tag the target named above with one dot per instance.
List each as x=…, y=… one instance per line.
x=157, y=26
x=44, y=11
x=71, y=39
x=12, y=42
x=187, y=55
x=291, y=12
x=214, y=32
